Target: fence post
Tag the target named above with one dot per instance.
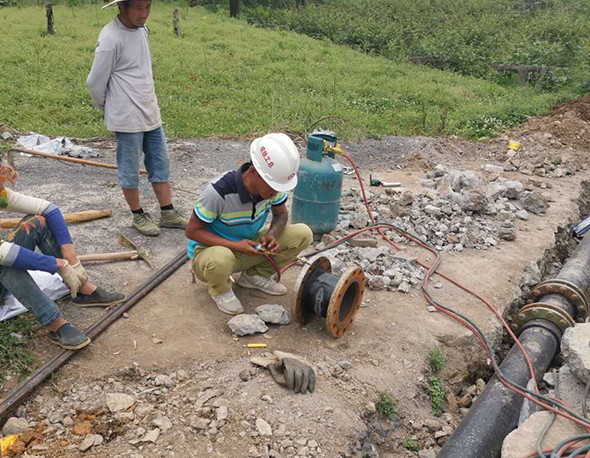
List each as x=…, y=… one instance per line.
x=175, y=20
x=49, y=14
x=234, y=8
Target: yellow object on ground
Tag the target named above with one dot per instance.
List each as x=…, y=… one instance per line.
x=6, y=442
x=260, y=345
x=515, y=146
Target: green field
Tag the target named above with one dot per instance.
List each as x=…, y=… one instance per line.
x=227, y=78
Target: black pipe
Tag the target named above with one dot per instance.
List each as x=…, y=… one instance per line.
x=317, y=292
x=16, y=396
x=495, y=413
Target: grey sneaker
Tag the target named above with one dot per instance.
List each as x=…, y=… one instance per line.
x=99, y=297
x=228, y=303
x=173, y=219
x=145, y=224
x=69, y=337
x=266, y=285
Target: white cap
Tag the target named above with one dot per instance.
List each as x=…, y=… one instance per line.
x=114, y=2
x=276, y=159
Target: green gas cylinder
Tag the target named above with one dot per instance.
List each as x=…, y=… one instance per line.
x=316, y=198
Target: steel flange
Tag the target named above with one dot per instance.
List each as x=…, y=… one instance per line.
x=566, y=289
x=345, y=301
x=540, y=310
x=322, y=294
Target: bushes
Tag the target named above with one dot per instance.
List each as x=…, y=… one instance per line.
x=467, y=36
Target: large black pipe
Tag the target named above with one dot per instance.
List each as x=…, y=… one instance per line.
x=16, y=396
x=495, y=413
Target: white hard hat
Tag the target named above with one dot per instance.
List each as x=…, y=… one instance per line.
x=276, y=159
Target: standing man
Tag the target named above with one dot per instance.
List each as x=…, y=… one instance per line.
x=225, y=229
x=121, y=84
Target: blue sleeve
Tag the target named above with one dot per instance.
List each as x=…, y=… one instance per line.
x=30, y=260
x=57, y=225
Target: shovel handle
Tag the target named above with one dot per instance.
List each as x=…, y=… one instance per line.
x=122, y=256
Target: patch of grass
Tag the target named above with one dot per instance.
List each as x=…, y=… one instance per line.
x=411, y=445
x=436, y=359
x=436, y=392
x=15, y=355
x=225, y=78
x=386, y=405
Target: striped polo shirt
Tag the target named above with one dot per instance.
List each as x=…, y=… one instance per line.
x=229, y=211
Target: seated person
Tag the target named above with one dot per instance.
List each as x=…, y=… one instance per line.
x=44, y=228
x=226, y=224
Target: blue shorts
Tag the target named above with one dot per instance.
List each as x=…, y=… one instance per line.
x=156, y=160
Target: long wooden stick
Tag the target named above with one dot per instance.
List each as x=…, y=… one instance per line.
x=69, y=159
x=71, y=218
x=122, y=256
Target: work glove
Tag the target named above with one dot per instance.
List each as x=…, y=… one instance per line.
x=81, y=272
x=288, y=370
x=70, y=278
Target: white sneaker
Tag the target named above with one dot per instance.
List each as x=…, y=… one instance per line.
x=266, y=285
x=228, y=303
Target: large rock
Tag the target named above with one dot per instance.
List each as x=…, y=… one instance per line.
x=86, y=443
x=522, y=441
x=574, y=347
x=466, y=180
x=473, y=201
x=513, y=189
x=118, y=402
x=14, y=425
x=274, y=314
x=571, y=388
x=263, y=427
x=533, y=202
x=245, y=325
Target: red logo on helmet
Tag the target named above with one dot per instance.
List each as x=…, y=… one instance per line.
x=291, y=176
x=266, y=157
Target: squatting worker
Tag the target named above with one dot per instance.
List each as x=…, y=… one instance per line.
x=44, y=228
x=228, y=217
x=121, y=84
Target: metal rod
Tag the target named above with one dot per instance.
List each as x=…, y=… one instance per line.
x=496, y=411
x=16, y=396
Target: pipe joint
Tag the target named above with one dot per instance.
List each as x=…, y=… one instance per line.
x=542, y=311
x=567, y=290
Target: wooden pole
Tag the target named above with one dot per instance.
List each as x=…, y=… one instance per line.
x=69, y=159
x=234, y=8
x=49, y=14
x=175, y=20
x=71, y=218
x=122, y=256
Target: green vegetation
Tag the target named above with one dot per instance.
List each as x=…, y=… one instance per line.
x=466, y=36
x=436, y=391
x=226, y=78
x=411, y=445
x=436, y=359
x=14, y=352
x=386, y=405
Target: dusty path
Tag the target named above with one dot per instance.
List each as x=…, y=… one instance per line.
x=387, y=347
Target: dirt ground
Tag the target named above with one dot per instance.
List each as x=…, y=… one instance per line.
x=391, y=336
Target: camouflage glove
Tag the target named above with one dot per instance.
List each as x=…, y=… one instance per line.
x=289, y=370
x=70, y=278
x=81, y=272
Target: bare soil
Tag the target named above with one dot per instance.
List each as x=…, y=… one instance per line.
x=391, y=336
